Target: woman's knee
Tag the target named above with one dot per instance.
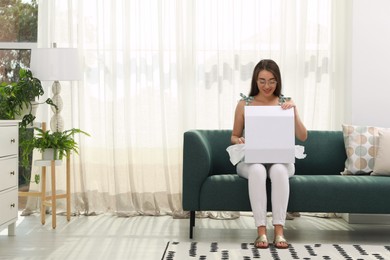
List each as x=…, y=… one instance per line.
x=257, y=171
x=247, y=169
x=279, y=170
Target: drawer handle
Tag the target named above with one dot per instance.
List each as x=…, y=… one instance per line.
x=12, y=173
x=13, y=205
x=12, y=140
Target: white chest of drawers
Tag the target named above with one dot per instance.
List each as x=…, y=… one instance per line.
x=9, y=143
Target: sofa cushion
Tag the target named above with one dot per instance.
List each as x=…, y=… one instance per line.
x=225, y=192
x=361, y=144
x=325, y=154
x=308, y=193
x=339, y=193
x=382, y=160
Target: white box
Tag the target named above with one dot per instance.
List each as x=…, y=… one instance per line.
x=269, y=135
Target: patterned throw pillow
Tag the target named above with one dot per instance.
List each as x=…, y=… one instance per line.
x=361, y=146
x=382, y=160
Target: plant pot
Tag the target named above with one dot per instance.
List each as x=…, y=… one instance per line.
x=27, y=109
x=49, y=154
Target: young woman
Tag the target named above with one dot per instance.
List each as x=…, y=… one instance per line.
x=266, y=90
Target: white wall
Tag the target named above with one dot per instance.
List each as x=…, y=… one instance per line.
x=370, y=64
x=368, y=96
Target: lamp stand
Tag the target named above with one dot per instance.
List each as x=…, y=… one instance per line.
x=56, y=64
x=56, y=121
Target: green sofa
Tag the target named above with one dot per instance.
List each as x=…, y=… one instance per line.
x=210, y=181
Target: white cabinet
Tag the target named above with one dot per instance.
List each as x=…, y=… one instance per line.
x=9, y=143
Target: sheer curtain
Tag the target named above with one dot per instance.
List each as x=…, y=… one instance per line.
x=154, y=69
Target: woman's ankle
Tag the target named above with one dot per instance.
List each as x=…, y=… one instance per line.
x=262, y=230
x=278, y=230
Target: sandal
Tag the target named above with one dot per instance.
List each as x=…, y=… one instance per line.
x=262, y=241
x=280, y=242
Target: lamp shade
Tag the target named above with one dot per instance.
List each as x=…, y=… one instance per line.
x=56, y=64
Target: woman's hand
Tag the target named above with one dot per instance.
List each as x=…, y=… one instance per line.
x=288, y=104
x=241, y=140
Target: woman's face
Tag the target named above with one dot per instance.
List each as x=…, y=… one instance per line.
x=266, y=83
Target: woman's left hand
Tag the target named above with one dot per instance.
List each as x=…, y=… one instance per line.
x=288, y=104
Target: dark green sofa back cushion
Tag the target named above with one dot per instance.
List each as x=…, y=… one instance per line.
x=325, y=154
x=218, y=141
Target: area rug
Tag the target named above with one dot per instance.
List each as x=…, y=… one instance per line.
x=246, y=251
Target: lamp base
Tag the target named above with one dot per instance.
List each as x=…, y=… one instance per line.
x=56, y=121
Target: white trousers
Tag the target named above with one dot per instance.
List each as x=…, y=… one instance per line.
x=279, y=175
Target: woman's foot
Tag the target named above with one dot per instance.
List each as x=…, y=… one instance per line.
x=261, y=242
x=280, y=242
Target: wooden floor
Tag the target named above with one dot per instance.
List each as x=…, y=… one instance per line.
x=109, y=237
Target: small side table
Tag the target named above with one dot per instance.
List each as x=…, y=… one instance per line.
x=51, y=200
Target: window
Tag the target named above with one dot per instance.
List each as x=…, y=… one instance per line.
x=18, y=35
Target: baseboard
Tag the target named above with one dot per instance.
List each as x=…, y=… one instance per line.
x=367, y=218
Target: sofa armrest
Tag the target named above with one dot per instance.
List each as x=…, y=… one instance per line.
x=196, y=167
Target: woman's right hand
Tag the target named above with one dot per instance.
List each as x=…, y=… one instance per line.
x=241, y=140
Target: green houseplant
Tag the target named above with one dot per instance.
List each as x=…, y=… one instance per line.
x=18, y=97
x=63, y=143
x=17, y=101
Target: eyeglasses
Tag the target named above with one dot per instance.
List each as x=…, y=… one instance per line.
x=270, y=83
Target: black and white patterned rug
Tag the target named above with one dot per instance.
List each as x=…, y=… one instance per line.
x=246, y=251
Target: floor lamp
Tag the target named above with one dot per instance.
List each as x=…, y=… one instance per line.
x=56, y=64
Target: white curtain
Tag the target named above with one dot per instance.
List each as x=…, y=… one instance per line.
x=156, y=68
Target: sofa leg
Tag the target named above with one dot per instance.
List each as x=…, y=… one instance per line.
x=192, y=223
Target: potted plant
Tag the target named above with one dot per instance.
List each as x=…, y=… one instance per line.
x=17, y=99
x=62, y=143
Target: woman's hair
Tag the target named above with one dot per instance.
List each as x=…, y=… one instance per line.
x=271, y=66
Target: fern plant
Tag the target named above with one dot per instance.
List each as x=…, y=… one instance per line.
x=63, y=143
